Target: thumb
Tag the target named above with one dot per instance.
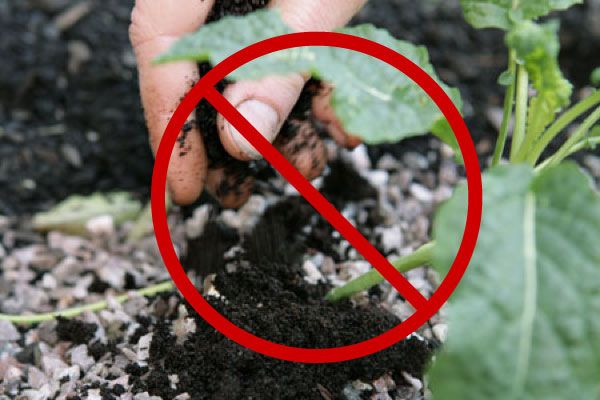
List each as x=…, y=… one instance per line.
x=267, y=103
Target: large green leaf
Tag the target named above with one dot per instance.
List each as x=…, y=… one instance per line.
x=498, y=13
x=537, y=47
x=372, y=99
x=524, y=320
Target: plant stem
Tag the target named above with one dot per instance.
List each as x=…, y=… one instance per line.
x=584, y=144
x=93, y=307
x=561, y=123
x=423, y=255
x=509, y=99
x=520, y=111
x=577, y=136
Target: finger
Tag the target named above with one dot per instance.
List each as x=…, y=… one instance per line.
x=323, y=111
x=300, y=144
x=155, y=26
x=230, y=185
x=267, y=103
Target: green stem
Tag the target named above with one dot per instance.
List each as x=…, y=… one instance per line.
x=423, y=255
x=509, y=100
x=589, y=143
x=585, y=144
x=520, y=111
x=575, y=138
x=93, y=307
x=561, y=123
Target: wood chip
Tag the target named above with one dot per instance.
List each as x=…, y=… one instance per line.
x=65, y=20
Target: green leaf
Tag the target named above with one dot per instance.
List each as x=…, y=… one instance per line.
x=524, y=320
x=443, y=131
x=500, y=13
x=371, y=98
x=72, y=215
x=216, y=41
x=537, y=47
x=506, y=78
x=595, y=77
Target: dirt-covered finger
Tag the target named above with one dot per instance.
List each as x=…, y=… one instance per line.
x=323, y=111
x=265, y=103
x=300, y=144
x=230, y=185
x=161, y=90
x=155, y=26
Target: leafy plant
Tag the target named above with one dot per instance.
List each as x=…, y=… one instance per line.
x=523, y=323
x=524, y=319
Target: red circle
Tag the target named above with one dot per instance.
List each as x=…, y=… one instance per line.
x=454, y=275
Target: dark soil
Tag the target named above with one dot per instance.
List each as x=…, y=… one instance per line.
x=67, y=128
x=272, y=301
x=75, y=331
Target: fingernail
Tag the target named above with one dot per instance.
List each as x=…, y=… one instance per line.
x=263, y=117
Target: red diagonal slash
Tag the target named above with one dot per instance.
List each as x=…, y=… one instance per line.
x=315, y=198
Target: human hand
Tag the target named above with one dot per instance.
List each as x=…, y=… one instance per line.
x=266, y=103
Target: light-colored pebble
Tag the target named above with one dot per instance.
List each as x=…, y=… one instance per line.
x=440, y=331
x=592, y=162
x=80, y=357
x=8, y=332
x=384, y=384
x=421, y=193
x=36, y=378
x=312, y=273
x=388, y=163
x=391, y=238
x=194, y=226
x=358, y=157
x=415, y=161
x=415, y=383
x=143, y=352
x=103, y=225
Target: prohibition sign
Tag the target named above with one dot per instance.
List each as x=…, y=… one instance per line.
x=204, y=89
